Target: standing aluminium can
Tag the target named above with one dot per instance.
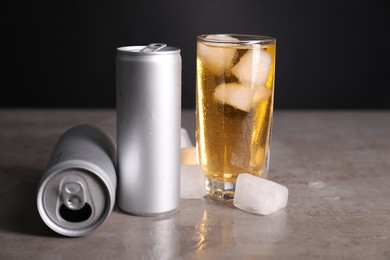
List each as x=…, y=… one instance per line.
x=76, y=193
x=148, y=100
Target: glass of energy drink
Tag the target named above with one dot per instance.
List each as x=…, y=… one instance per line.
x=234, y=106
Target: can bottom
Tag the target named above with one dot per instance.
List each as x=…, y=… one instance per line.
x=147, y=214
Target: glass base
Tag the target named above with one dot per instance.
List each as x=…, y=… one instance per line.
x=221, y=191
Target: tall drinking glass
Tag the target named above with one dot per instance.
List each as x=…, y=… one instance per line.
x=234, y=106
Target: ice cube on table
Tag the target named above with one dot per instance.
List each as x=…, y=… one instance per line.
x=192, y=182
x=216, y=58
x=188, y=155
x=253, y=67
x=185, y=140
x=259, y=196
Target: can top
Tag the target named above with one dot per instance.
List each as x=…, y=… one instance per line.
x=74, y=201
x=150, y=49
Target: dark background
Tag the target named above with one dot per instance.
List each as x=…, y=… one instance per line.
x=61, y=54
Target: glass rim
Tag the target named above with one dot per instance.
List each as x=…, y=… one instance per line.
x=240, y=39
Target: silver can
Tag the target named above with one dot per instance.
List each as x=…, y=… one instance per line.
x=76, y=193
x=148, y=102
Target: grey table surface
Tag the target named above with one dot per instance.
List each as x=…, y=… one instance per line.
x=336, y=165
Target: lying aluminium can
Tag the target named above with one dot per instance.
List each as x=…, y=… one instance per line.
x=76, y=193
x=148, y=100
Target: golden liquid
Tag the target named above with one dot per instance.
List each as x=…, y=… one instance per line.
x=231, y=141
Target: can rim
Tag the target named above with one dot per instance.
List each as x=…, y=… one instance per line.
x=136, y=50
x=57, y=227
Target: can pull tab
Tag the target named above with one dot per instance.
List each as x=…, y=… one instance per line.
x=153, y=47
x=73, y=195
